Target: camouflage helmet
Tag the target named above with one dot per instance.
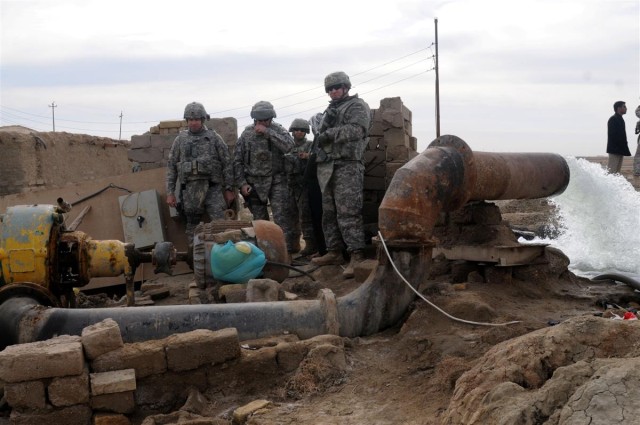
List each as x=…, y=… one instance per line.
x=301, y=124
x=263, y=110
x=336, y=78
x=195, y=111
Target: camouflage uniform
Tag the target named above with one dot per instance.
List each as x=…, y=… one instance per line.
x=299, y=210
x=345, y=126
x=203, y=165
x=259, y=162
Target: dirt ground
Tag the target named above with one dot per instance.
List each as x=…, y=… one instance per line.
x=430, y=369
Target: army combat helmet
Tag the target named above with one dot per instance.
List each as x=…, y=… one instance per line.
x=194, y=111
x=336, y=78
x=299, y=124
x=263, y=111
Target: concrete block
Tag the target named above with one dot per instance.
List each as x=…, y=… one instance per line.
x=143, y=155
x=413, y=144
x=161, y=391
x=121, y=402
x=60, y=356
x=117, y=381
x=392, y=118
x=172, y=124
x=406, y=114
x=391, y=103
x=193, y=349
x=154, y=130
x=138, y=142
x=399, y=153
x=161, y=142
x=27, y=395
x=80, y=414
x=259, y=290
x=396, y=137
x=101, y=338
x=69, y=390
x=234, y=293
x=146, y=358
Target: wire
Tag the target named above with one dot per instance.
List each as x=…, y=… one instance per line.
x=289, y=266
x=111, y=185
x=239, y=119
x=469, y=322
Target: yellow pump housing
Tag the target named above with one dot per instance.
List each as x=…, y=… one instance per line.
x=40, y=257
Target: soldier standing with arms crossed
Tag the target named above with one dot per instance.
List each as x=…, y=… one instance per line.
x=342, y=140
x=259, y=169
x=201, y=160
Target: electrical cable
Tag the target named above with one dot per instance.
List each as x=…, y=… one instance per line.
x=469, y=322
x=111, y=185
x=288, y=266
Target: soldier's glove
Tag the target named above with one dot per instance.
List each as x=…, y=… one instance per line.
x=330, y=117
x=322, y=139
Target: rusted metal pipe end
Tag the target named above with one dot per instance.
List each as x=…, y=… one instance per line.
x=439, y=179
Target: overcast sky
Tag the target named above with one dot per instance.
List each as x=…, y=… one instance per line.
x=515, y=76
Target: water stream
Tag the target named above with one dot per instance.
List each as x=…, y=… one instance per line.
x=599, y=216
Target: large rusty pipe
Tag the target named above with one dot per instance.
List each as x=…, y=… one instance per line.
x=448, y=174
x=378, y=303
x=443, y=178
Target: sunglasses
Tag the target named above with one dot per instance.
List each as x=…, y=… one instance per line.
x=334, y=87
x=299, y=129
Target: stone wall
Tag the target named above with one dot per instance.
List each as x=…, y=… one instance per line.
x=96, y=378
x=151, y=150
x=391, y=145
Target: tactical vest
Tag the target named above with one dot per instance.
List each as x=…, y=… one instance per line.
x=354, y=149
x=199, y=158
x=261, y=159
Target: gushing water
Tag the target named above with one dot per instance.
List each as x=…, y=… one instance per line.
x=599, y=216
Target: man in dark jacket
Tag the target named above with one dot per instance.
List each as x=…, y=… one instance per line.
x=617, y=146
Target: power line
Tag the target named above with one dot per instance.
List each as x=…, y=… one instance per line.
x=315, y=108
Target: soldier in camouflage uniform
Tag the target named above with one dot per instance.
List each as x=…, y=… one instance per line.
x=259, y=169
x=296, y=166
x=199, y=159
x=342, y=140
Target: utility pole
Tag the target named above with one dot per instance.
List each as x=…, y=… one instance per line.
x=120, y=133
x=53, y=114
x=437, y=85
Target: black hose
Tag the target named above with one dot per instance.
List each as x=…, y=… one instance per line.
x=288, y=266
x=111, y=185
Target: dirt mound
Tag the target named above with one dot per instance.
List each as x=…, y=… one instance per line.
x=582, y=370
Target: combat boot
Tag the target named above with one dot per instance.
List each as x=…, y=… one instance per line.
x=356, y=258
x=310, y=247
x=332, y=257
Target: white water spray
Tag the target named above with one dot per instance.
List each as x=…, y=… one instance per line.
x=599, y=215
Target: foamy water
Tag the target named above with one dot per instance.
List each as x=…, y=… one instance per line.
x=600, y=221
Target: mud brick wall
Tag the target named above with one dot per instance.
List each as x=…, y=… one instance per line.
x=36, y=161
x=151, y=150
x=391, y=145
x=97, y=378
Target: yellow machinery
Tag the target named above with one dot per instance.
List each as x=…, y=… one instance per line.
x=40, y=258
